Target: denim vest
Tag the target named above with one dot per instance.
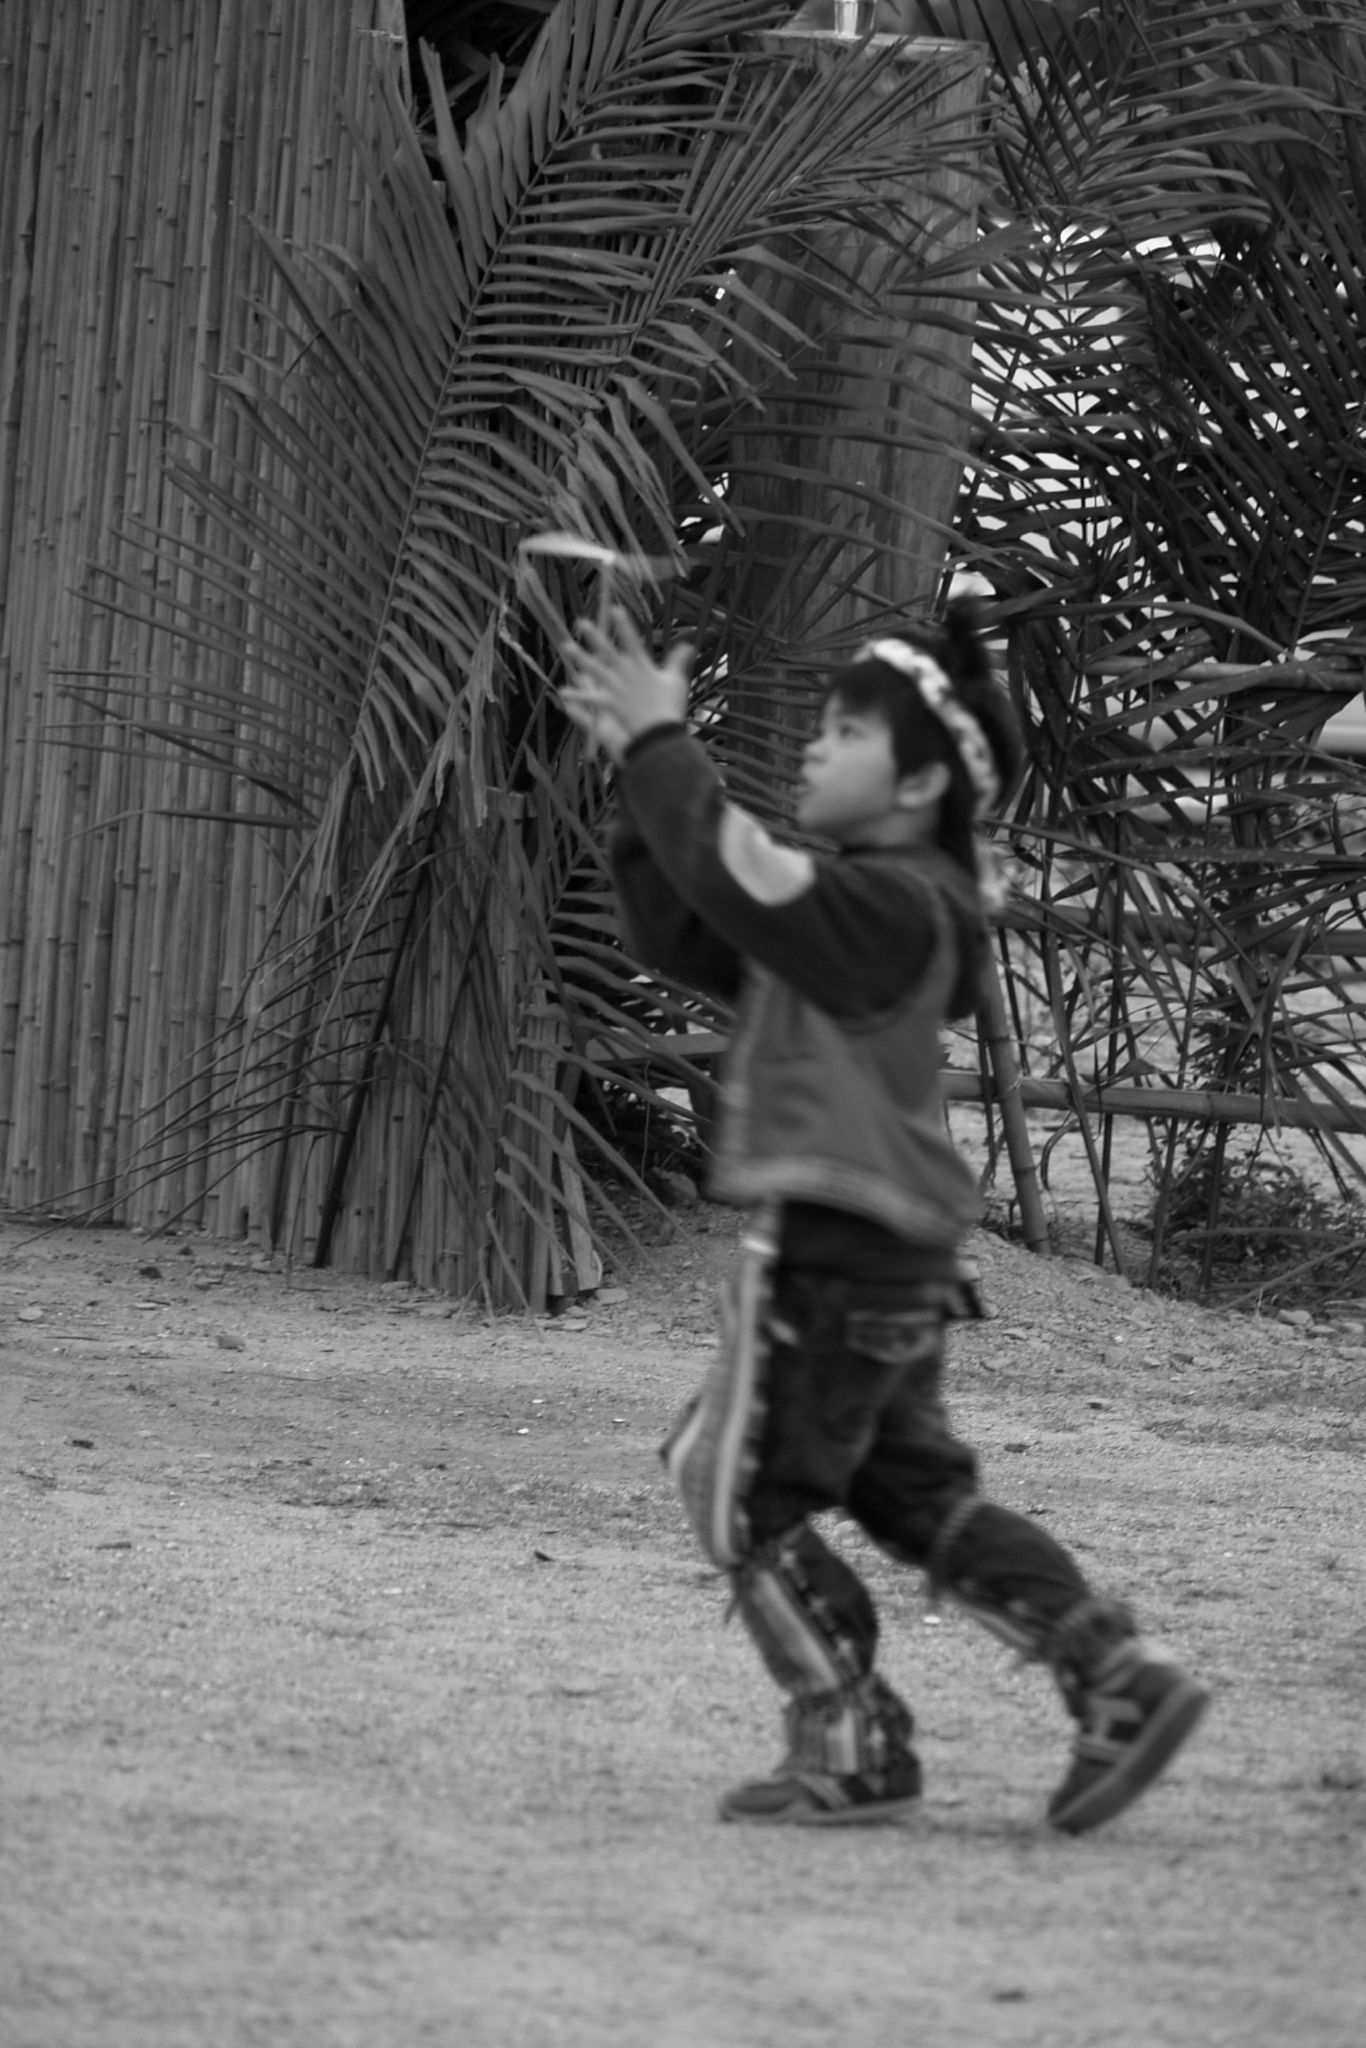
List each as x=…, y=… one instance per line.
x=845, y=1111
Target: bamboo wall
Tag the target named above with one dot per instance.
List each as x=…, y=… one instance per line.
x=139, y=139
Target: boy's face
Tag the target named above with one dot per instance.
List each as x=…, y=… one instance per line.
x=849, y=780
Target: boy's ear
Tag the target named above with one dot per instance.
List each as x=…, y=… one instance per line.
x=926, y=786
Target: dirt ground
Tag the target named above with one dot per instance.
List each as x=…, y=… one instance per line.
x=361, y=1686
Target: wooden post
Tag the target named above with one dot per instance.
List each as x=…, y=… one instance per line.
x=1004, y=1061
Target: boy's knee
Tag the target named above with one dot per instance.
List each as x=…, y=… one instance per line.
x=913, y=1529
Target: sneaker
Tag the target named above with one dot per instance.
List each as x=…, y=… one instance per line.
x=1134, y=1717
x=819, y=1799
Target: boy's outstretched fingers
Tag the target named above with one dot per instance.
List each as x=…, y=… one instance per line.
x=612, y=675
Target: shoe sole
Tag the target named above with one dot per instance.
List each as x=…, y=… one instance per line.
x=1175, y=1721
x=870, y=1815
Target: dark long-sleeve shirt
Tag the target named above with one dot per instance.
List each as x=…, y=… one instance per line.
x=707, y=896
x=703, y=889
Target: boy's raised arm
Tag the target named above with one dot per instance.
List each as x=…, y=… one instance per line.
x=848, y=938
x=850, y=935
x=663, y=930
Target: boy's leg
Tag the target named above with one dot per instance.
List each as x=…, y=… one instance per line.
x=849, y=1755
x=1134, y=1707
x=916, y=1495
x=774, y=1438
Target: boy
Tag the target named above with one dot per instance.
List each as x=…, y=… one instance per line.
x=826, y=1392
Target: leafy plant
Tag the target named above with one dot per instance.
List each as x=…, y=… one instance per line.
x=582, y=314
x=1169, y=509
x=1254, y=1230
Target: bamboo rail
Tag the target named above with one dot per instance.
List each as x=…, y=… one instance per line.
x=1186, y=1105
x=684, y=1055
x=1059, y=921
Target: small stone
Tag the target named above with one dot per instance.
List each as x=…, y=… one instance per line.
x=1296, y=1318
x=226, y=1341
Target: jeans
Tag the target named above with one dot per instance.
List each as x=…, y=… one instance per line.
x=853, y=1418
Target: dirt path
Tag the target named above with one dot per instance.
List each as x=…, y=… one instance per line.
x=361, y=1688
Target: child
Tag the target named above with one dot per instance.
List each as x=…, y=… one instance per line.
x=826, y=1392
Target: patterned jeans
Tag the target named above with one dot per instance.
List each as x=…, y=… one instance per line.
x=843, y=1409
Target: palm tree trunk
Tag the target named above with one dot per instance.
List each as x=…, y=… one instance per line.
x=894, y=383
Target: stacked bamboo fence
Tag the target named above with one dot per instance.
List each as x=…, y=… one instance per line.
x=138, y=146
x=150, y=1071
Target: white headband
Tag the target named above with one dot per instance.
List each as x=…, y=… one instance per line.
x=941, y=698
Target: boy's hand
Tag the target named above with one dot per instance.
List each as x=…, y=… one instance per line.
x=615, y=690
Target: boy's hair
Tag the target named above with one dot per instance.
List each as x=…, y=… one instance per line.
x=919, y=735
